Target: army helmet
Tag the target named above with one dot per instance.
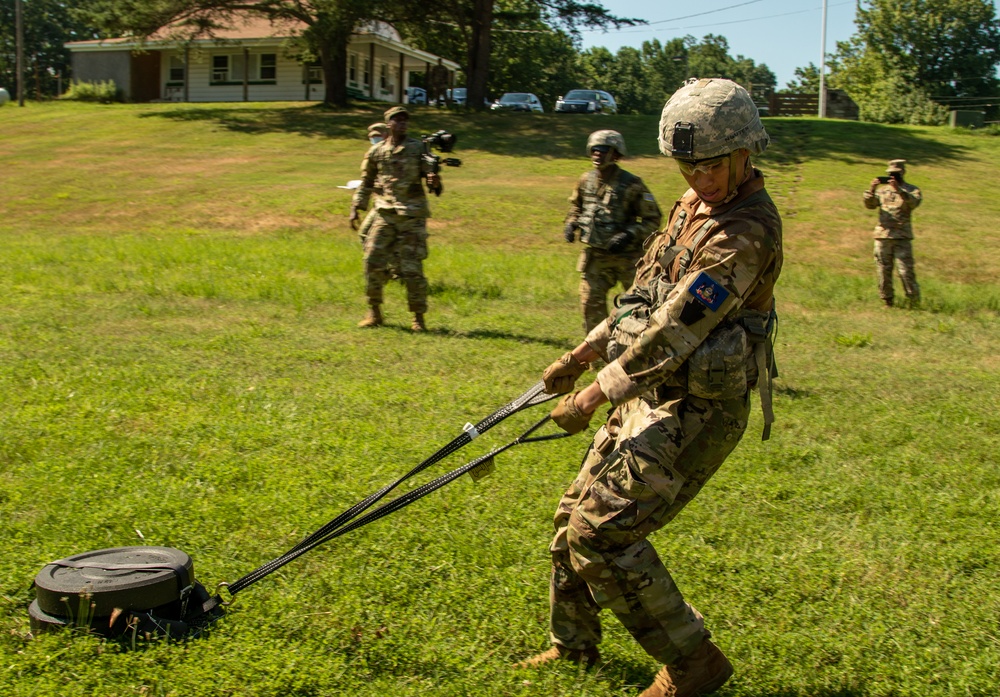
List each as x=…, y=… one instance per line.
x=613, y=139
x=709, y=118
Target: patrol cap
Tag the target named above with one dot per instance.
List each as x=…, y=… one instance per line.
x=396, y=111
x=708, y=118
x=377, y=129
x=896, y=166
x=607, y=137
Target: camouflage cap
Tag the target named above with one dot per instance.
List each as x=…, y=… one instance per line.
x=607, y=137
x=396, y=111
x=896, y=166
x=709, y=118
x=377, y=129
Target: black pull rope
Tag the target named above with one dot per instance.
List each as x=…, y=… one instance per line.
x=533, y=396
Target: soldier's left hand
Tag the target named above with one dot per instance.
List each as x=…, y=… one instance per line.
x=619, y=242
x=569, y=417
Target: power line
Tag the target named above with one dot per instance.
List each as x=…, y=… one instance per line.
x=702, y=14
x=713, y=24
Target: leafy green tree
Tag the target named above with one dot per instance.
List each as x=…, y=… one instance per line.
x=475, y=21
x=910, y=57
x=328, y=24
x=806, y=80
x=48, y=25
x=951, y=47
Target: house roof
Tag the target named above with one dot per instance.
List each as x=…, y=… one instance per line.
x=255, y=30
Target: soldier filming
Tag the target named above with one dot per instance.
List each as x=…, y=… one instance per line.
x=398, y=167
x=895, y=200
x=612, y=212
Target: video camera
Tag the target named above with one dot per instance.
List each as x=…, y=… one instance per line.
x=443, y=141
x=886, y=179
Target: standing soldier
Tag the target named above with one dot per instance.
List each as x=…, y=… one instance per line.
x=396, y=166
x=613, y=212
x=703, y=306
x=895, y=200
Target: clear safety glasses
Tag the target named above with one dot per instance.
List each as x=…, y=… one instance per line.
x=689, y=167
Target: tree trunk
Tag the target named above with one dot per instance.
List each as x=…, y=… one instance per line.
x=479, y=54
x=333, y=58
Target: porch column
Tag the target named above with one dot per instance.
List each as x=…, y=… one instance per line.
x=371, y=69
x=187, y=72
x=402, y=62
x=246, y=74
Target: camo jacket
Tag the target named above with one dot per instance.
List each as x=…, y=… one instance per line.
x=894, y=210
x=734, y=265
x=399, y=172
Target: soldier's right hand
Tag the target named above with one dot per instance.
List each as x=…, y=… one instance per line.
x=569, y=232
x=875, y=182
x=353, y=217
x=560, y=377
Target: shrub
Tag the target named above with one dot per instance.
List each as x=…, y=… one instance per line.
x=104, y=92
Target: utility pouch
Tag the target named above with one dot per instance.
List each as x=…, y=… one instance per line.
x=630, y=322
x=581, y=264
x=718, y=367
x=603, y=442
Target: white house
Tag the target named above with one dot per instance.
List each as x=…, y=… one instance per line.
x=249, y=62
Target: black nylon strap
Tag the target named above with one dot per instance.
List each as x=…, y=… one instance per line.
x=534, y=395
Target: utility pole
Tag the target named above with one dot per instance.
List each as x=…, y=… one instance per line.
x=822, y=67
x=19, y=62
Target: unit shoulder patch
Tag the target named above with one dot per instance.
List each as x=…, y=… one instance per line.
x=708, y=292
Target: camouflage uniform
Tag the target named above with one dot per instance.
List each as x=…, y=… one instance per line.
x=400, y=225
x=894, y=234
x=700, y=280
x=600, y=207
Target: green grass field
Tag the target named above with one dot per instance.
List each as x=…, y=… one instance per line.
x=179, y=366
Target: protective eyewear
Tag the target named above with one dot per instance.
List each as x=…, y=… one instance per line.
x=376, y=139
x=603, y=149
x=689, y=167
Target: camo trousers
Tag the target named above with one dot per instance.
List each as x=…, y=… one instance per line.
x=888, y=251
x=391, y=234
x=628, y=487
x=599, y=272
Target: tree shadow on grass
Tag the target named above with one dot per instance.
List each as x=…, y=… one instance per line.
x=564, y=136
x=478, y=334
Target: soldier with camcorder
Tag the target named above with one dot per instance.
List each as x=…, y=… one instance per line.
x=895, y=200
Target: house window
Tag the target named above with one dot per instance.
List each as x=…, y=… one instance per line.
x=383, y=79
x=314, y=73
x=230, y=69
x=368, y=72
x=176, y=69
x=220, y=68
x=352, y=69
x=268, y=66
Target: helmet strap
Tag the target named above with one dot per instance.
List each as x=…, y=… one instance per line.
x=734, y=186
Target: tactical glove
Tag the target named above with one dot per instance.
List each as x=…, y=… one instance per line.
x=619, y=242
x=569, y=232
x=568, y=416
x=560, y=377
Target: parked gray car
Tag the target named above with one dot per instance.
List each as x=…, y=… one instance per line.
x=586, y=102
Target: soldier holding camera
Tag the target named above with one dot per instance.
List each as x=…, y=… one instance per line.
x=398, y=167
x=895, y=201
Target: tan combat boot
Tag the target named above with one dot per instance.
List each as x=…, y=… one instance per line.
x=372, y=319
x=585, y=657
x=418, y=323
x=701, y=673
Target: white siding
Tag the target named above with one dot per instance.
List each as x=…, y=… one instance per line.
x=288, y=83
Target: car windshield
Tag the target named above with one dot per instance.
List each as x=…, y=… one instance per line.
x=585, y=95
x=458, y=92
x=513, y=98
